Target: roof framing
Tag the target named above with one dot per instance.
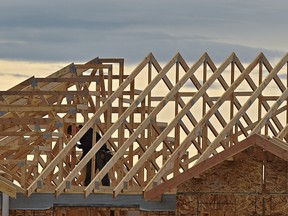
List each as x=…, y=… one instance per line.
x=161, y=123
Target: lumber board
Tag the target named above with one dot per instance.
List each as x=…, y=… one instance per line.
x=158, y=121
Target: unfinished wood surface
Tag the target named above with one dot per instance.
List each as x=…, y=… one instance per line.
x=243, y=173
x=253, y=183
x=158, y=121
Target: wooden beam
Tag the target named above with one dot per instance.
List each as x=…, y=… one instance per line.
x=38, y=108
x=63, y=79
x=270, y=113
x=40, y=92
x=8, y=189
x=26, y=121
x=283, y=133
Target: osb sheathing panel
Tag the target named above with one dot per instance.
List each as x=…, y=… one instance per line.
x=227, y=204
x=91, y=211
x=88, y=211
x=197, y=204
x=243, y=174
x=157, y=213
x=235, y=187
x=276, y=175
x=48, y=212
x=279, y=204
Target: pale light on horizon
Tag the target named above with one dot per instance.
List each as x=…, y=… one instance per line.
x=14, y=72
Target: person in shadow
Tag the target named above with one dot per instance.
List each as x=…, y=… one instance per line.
x=102, y=156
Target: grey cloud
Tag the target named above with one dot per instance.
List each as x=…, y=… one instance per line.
x=81, y=30
x=47, y=46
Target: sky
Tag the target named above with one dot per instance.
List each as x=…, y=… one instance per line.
x=38, y=37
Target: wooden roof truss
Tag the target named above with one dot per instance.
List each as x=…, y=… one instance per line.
x=158, y=121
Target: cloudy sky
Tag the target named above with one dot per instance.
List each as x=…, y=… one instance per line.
x=57, y=31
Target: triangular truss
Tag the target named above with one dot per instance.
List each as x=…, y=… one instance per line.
x=158, y=121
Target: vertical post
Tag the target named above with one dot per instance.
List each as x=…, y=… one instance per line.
x=131, y=119
x=177, y=126
x=260, y=98
x=205, y=129
x=5, y=204
x=232, y=101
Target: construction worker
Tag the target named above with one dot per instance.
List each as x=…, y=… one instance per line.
x=102, y=156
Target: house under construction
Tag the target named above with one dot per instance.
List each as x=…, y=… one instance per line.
x=187, y=139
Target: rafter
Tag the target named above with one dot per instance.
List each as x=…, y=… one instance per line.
x=160, y=122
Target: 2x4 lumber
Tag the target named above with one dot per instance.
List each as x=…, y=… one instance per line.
x=19, y=163
x=40, y=92
x=87, y=66
x=8, y=189
x=18, y=189
x=279, y=142
x=283, y=133
x=269, y=98
x=11, y=141
x=186, y=94
x=270, y=113
x=113, y=60
x=38, y=108
x=16, y=147
x=83, y=130
x=244, y=93
x=131, y=120
x=121, y=111
x=26, y=121
x=274, y=146
x=83, y=78
x=236, y=118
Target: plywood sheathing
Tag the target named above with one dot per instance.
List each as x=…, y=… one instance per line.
x=243, y=174
x=276, y=176
x=252, y=183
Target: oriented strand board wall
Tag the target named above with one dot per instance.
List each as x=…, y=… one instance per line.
x=157, y=213
x=48, y=212
x=236, y=188
x=89, y=211
x=243, y=174
x=276, y=176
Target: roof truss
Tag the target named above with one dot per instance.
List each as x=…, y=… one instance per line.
x=158, y=121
